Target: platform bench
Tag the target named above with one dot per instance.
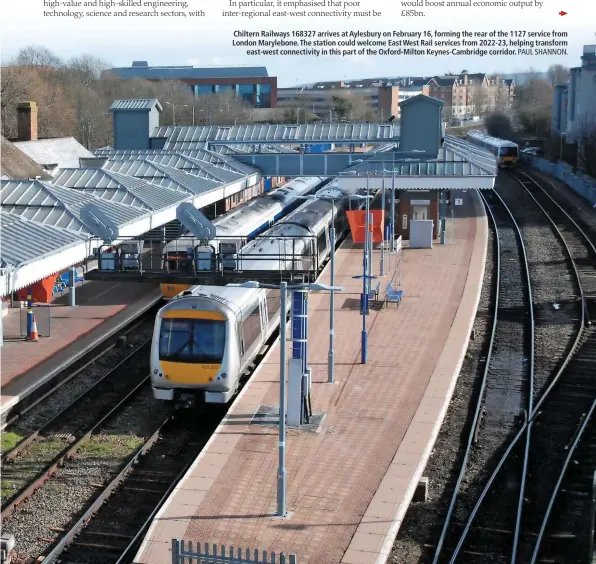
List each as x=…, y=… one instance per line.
x=392, y=295
x=373, y=293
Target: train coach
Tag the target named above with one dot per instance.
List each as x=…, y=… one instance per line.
x=234, y=229
x=506, y=152
x=205, y=338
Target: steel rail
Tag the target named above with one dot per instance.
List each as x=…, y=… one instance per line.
x=125, y=331
x=9, y=455
x=530, y=394
x=69, y=451
x=80, y=524
x=557, y=487
x=479, y=406
x=546, y=394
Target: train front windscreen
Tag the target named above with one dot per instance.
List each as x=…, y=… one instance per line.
x=508, y=152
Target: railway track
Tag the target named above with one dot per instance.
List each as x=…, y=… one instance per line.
x=504, y=400
x=29, y=464
x=112, y=526
x=41, y=404
x=564, y=450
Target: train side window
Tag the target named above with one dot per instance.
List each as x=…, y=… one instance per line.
x=273, y=303
x=322, y=241
x=251, y=328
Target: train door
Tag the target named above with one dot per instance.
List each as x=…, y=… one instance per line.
x=419, y=212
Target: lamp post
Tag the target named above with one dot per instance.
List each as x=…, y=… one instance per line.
x=383, y=231
x=331, y=355
x=392, y=206
x=284, y=287
x=173, y=112
x=366, y=276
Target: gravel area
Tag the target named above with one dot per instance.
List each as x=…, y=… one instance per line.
x=38, y=522
x=582, y=211
x=48, y=408
x=67, y=428
x=421, y=527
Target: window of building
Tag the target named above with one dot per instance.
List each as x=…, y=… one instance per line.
x=224, y=87
x=200, y=89
x=246, y=88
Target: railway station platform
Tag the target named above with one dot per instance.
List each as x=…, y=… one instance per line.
x=103, y=308
x=351, y=479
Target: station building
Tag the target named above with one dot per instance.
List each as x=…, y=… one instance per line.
x=251, y=83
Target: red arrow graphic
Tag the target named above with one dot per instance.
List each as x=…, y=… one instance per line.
x=562, y=13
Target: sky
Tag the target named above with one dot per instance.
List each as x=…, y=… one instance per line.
x=208, y=40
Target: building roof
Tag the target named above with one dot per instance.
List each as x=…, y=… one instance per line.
x=15, y=164
x=188, y=72
x=61, y=207
x=24, y=240
x=420, y=98
x=120, y=188
x=62, y=151
x=136, y=105
x=190, y=137
x=162, y=175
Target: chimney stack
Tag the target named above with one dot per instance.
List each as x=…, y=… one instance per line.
x=27, y=121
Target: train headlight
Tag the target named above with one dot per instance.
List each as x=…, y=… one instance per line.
x=224, y=375
x=155, y=371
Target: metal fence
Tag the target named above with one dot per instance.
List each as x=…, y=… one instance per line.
x=580, y=183
x=43, y=320
x=184, y=553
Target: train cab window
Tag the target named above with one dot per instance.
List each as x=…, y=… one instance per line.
x=508, y=151
x=251, y=328
x=192, y=340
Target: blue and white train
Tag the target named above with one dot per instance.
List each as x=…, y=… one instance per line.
x=234, y=230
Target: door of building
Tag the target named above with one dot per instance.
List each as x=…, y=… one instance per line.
x=419, y=212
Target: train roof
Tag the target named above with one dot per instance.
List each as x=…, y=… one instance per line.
x=309, y=215
x=233, y=298
x=494, y=141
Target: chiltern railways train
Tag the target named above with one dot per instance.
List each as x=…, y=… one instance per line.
x=234, y=229
x=206, y=337
x=506, y=152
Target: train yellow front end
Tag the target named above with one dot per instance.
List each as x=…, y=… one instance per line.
x=189, y=355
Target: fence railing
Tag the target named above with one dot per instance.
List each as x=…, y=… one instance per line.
x=184, y=553
x=579, y=183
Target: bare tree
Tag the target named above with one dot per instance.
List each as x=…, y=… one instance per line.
x=499, y=125
x=533, y=105
x=37, y=56
x=479, y=100
x=557, y=74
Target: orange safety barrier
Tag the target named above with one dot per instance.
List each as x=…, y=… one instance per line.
x=357, y=221
x=41, y=292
